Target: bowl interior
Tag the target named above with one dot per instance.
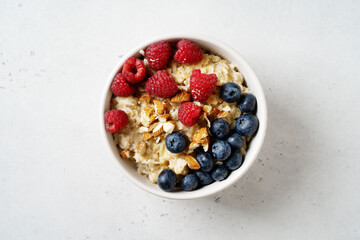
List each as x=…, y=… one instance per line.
x=252, y=82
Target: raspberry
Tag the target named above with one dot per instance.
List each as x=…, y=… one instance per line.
x=134, y=70
x=202, y=85
x=120, y=87
x=115, y=120
x=158, y=54
x=161, y=84
x=189, y=113
x=187, y=52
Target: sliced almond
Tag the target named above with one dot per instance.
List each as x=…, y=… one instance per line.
x=148, y=110
x=194, y=145
x=200, y=135
x=152, y=119
x=192, y=163
x=153, y=126
x=141, y=147
x=159, y=107
x=207, y=108
x=214, y=113
x=146, y=97
x=147, y=136
x=143, y=129
x=158, y=130
x=181, y=97
x=206, y=145
x=169, y=126
x=167, y=104
x=125, y=153
x=164, y=117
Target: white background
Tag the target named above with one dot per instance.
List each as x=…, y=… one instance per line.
x=58, y=182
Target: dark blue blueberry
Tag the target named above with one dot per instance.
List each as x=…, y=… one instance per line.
x=219, y=173
x=206, y=161
x=247, y=103
x=175, y=142
x=220, y=128
x=234, y=161
x=204, y=178
x=230, y=92
x=167, y=180
x=246, y=124
x=189, y=182
x=235, y=141
x=221, y=150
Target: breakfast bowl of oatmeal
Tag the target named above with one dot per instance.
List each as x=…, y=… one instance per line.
x=184, y=115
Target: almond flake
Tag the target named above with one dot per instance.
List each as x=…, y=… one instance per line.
x=164, y=117
x=159, y=107
x=169, y=126
x=200, y=135
x=125, y=153
x=194, y=145
x=146, y=97
x=181, y=97
x=192, y=163
x=207, y=108
x=223, y=114
x=153, y=126
x=167, y=104
x=158, y=130
x=148, y=110
x=141, y=148
x=147, y=136
x=152, y=119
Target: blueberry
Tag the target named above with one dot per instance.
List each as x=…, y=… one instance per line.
x=246, y=124
x=220, y=128
x=167, y=180
x=247, y=103
x=189, y=182
x=234, y=161
x=206, y=161
x=221, y=150
x=175, y=142
x=235, y=141
x=230, y=92
x=219, y=173
x=204, y=178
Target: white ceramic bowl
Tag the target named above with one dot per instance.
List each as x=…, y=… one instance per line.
x=253, y=83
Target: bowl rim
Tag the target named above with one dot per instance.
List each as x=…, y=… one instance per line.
x=260, y=100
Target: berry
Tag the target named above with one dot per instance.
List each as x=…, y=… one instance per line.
x=246, y=124
x=176, y=142
x=204, y=178
x=202, y=85
x=167, y=180
x=189, y=182
x=234, y=161
x=219, y=173
x=187, y=52
x=230, y=92
x=220, y=150
x=206, y=161
x=134, y=70
x=115, y=120
x=247, y=103
x=189, y=113
x=220, y=128
x=161, y=84
x=235, y=141
x=158, y=54
x=120, y=87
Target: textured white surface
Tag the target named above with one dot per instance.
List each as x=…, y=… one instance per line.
x=57, y=182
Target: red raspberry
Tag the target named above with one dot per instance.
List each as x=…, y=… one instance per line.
x=202, y=85
x=158, y=54
x=188, y=113
x=134, y=70
x=187, y=52
x=115, y=120
x=120, y=87
x=161, y=84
